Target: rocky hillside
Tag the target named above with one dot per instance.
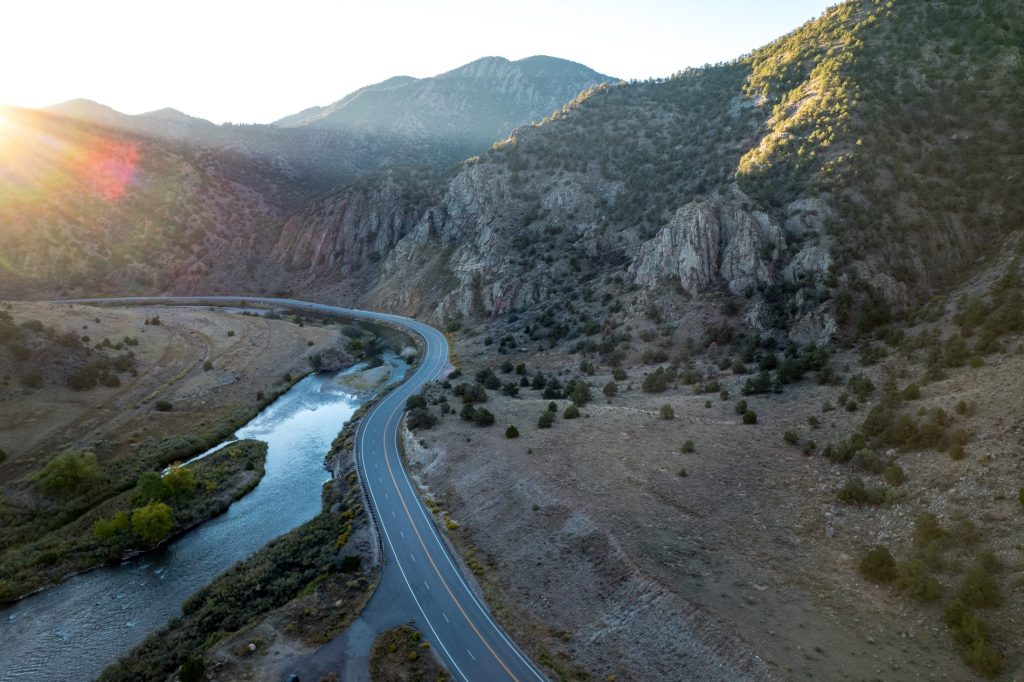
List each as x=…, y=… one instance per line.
x=819, y=184
x=462, y=111
x=85, y=209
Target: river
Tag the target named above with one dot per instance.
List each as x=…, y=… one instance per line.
x=74, y=630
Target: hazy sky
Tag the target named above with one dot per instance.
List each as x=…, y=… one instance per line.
x=255, y=61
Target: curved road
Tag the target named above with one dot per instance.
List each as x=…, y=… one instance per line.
x=458, y=625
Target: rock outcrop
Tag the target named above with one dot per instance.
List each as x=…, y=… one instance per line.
x=712, y=242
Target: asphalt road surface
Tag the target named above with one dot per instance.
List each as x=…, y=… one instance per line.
x=451, y=616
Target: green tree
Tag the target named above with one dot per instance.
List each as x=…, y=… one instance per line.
x=571, y=412
x=69, y=473
x=150, y=486
x=152, y=522
x=547, y=419
x=180, y=482
x=511, y=432
x=112, y=529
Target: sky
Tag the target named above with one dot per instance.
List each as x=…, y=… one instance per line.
x=257, y=61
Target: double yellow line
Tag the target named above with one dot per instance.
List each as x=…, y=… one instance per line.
x=458, y=604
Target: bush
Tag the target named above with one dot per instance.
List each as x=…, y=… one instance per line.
x=682, y=472
x=791, y=437
x=666, y=412
x=894, y=475
x=3, y=456
x=546, y=420
x=912, y=577
x=972, y=633
x=112, y=381
x=571, y=412
x=655, y=382
x=611, y=389
x=878, y=566
x=192, y=670
x=511, y=432
x=552, y=406
x=911, y=392
x=350, y=563
x=483, y=417
x=32, y=379
x=207, y=366
x=162, y=406
x=421, y=418
x=688, y=447
x=762, y=383
x=741, y=407
x=415, y=401
x=860, y=386
x=979, y=588
x=69, y=473
x=855, y=492
x=1020, y=493
x=619, y=374
x=468, y=412
x=750, y=417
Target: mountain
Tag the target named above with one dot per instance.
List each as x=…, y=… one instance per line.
x=826, y=182
x=466, y=109
x=86, y=208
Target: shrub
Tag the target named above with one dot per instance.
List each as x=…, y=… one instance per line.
x=791, y=437
x=421, y=418
x=192, y=670
x=546, y=420
x=912, y=577
x=878, y=566
x=860, y=386
x=972, y=633
x=611, y=389
x=911, y=392
x=979, y=588
x=894, y=475
x=688, y=447
x=552, y=406
x=682, y=472
x=750, y=417
x=855, y=492
x=1020, y=493
x=571, y=412
x=112, y=529
x=415, y=401
x=619, y=374
x=666, y=412
x=867, y=460
x=32, y=379
x=511, y=432
x=741, y=407
x=69, y=473
x=468, y=412
x=762, y=383
x=162, y=406
x=3, y=456
x=207, y=366
x=655, y=382
x=112, y=381
x=350, y=563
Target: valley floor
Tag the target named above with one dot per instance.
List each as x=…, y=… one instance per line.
x=607, y=562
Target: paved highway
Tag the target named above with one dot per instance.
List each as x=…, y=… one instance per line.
x=451, y=616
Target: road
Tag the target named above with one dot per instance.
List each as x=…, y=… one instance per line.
x=451, y=616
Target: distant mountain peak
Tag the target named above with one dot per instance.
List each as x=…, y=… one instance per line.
x=468, y=107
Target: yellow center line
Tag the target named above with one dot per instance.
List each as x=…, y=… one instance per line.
x=431, y=559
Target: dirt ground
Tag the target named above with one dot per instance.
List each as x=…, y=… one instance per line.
x=597, y=554
x=248, y=353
